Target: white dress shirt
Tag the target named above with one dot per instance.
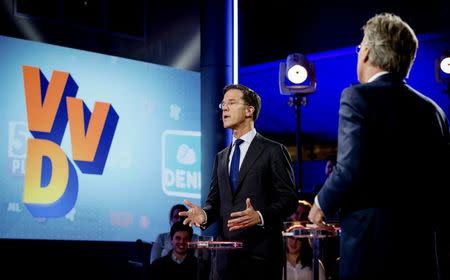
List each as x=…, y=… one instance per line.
x=374, y=77
x=298, y=272
x=248, y=138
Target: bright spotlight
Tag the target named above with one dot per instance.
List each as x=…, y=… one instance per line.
x=443, y=68
x=445, y=65
x=297, y=74
x=300, y=77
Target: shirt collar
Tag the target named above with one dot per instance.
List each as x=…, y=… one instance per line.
x=175, y=259
x=247, y=137
x=374, y=77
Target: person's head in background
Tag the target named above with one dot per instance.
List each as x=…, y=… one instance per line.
x=389, y=44
x=329, y=166
x=180, y=234
x=301, y=214
x=173, y=215
x=301, y=249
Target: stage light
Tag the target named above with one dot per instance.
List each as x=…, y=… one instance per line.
x=445, y=65
x=297, y=74
x=300, y=78
x=443, y=69
x=296, y=78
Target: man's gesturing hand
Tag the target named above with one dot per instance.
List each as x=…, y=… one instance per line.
x=194, y=216
x=244, y=219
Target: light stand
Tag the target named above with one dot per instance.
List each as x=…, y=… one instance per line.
x=297, y=101
x=297, y=79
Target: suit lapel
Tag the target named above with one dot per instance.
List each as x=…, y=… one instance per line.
x=224, y=167
x=255, y=149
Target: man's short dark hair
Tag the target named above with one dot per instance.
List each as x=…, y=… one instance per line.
x=179, y=226
x=249, y=96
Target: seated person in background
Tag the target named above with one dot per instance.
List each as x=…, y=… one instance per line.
x=179, y=263
x=299, y=258
x=163, y=243
x=329, y=166
x=301, y=214
x=330, y=245
x=303, y=269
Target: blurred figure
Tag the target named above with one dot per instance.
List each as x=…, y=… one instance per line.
x=179, y=263
x=299, y=260
x=331, y=163
x=393, y=151
x=302, y=211
x=330, y=245
x=163, y=243
x=329, y=166
x=303, y=269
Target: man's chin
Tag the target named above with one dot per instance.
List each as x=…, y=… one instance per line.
x=226, y=125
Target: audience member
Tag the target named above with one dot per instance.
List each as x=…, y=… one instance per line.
x=163, y=243
x=299, y=251
x=299, y=260
x=329, y=166
x=301, y=214
x=330, y=245
x=179, y=263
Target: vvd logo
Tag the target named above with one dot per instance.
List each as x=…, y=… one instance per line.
x=51, y=182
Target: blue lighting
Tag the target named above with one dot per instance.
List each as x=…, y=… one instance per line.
x=335, y=70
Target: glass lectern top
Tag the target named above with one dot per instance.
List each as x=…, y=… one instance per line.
x=215, y=244
x=304, y=230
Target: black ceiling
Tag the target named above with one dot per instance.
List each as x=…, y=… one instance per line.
x=154, y=30
x=271, y=30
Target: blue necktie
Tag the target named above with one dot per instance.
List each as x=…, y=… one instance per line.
x=234, y=167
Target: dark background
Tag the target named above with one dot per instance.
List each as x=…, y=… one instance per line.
x=158, y=31
x=270, y=31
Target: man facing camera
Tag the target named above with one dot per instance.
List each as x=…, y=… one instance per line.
x=251, y=193
x=178, y=263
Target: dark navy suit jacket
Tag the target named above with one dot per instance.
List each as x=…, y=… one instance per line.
x=266, y=177
x=393, y=154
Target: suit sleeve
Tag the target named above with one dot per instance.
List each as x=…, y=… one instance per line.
x=443, y=166
x=284, y=197
x=351, y=141
x=212, y=204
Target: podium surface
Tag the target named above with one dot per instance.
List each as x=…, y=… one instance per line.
x=207, y=255
x=215, y=245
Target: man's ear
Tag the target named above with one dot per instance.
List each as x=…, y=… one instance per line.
x=366, y=55
x=249, y=111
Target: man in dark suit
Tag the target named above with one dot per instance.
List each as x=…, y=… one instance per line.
x=251, y=206
x=393, y=153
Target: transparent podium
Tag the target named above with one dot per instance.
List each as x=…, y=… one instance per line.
x=206, y=249
x=300, y=229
